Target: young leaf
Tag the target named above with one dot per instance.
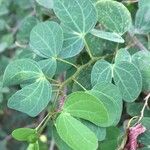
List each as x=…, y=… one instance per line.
x=32, y=99
x=46, y=3
x=78, y=17
x=142, y=20
x=114, y=16
x=48, y=67
x=115, y=37
x=142, y=60
x=33, y=146
x=75, y=134
x=46, y=39
x=102, y=71
x=111, y=97
x=21, y=71
x=25, y=134
x=128, y=77
x=79, y=104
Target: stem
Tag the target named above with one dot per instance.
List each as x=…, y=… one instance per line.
x=80, y=85
x=81, y=68
x=137, y=42
x=43, y=124
x=88, y=49
x=67, y=62
x=144, y=107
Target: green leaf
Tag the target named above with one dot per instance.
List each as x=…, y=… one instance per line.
x=99, y=131
x=114, y=16
x=75, y=134
x=48, y=67
x=46, y=3
x=143, y=3
x=46, y=39
x=145, y=137
x=102, y=71
x=59, y=142
x=122, y=55
x=128, y=77
x=142, y=61
x=111, y=141
x=125, y=75
x=21, y=71
x=33, y=146
x=107, y=36
x=72, y=45
x=142, y=20
x=110, y=96
x=23, y=34
x=32, y=99
x=78, y=17
x=25, y=134
x=79, y=104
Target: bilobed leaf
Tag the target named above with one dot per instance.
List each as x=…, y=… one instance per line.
x=25, y=134
x=142, y=61
x=122, y=55
x=21, y=71
x=125, y=75
x=114, y=16
x=75, y=134
x=111, y=97
x=99, y=131
x=115, y=37
x=129, y=80
x=46, y=39
x=32, y=99
x=79, y=104
x=102, y=71
x=45, y=3
x=48, y=67
x=142, y=20
x=78, y=17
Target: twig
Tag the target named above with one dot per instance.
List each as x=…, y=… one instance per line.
x=146, y=99
x=52, y=145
